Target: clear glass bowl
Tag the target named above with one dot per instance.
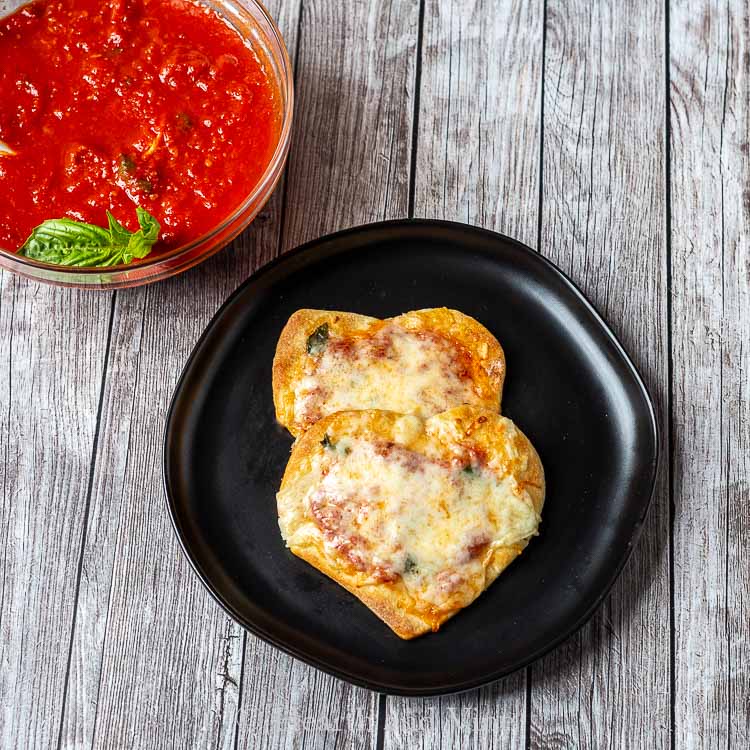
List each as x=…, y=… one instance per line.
x=253, y=22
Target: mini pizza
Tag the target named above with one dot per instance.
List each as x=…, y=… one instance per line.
x=420, y=363
x=414, y=517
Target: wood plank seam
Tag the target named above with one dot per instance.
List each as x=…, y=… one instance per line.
x=109, y=598
x=710, y=214
x=285, y=186
x=669, y=458
x=235, y=743
x=727, y=462
x=415, y=113
x=87, y=508
x=3, y=276
x=528, y=672
x=380, y=727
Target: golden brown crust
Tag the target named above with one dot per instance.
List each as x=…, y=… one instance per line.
x=487, y=360
x=501, y=440
x=506, y=450
x=291, y=352
x=389, y=601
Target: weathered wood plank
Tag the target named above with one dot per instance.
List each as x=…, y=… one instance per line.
x=287, y=704
x=603, y=212
x=493, y=717
x=352, y=140
x=710, y=130
x=52, y=350
x=154, y=662
x=350, y=164
x=480, y=115
x=477, y=161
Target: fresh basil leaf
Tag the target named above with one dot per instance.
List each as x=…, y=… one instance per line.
x=117, y=232
x=317, y=340
x=410, y=565
x=141, y=242
x=65, y=242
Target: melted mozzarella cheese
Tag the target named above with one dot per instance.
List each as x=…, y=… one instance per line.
x=396, y=370
x=396, y=513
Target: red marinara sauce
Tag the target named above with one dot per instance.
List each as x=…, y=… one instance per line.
x=113, y=105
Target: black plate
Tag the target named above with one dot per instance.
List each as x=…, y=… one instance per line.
x=570, y=387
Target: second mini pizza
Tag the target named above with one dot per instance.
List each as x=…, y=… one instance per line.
x=422, y=363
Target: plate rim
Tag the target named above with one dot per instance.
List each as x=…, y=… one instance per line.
x=446, y=688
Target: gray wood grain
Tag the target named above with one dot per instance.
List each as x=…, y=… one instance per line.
x=352, y=137
x=52, y=353
x=603, y=221
x=287, y=704
x=480, y=115
x=710, y=222
x=154, y=661
x=493, y=717
x=349, y=164
x=106, y=637
x=477, y=160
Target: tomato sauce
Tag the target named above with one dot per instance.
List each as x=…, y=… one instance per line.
x=113, y=105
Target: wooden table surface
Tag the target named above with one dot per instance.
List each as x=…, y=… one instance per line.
x=612, y=137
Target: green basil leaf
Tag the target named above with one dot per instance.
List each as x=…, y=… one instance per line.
x=117, y=232
x=65, y=242
x=317, y=340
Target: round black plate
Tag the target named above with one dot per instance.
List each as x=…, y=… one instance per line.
x=570, y=387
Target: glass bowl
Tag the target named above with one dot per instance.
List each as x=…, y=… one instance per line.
x=255, y=25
